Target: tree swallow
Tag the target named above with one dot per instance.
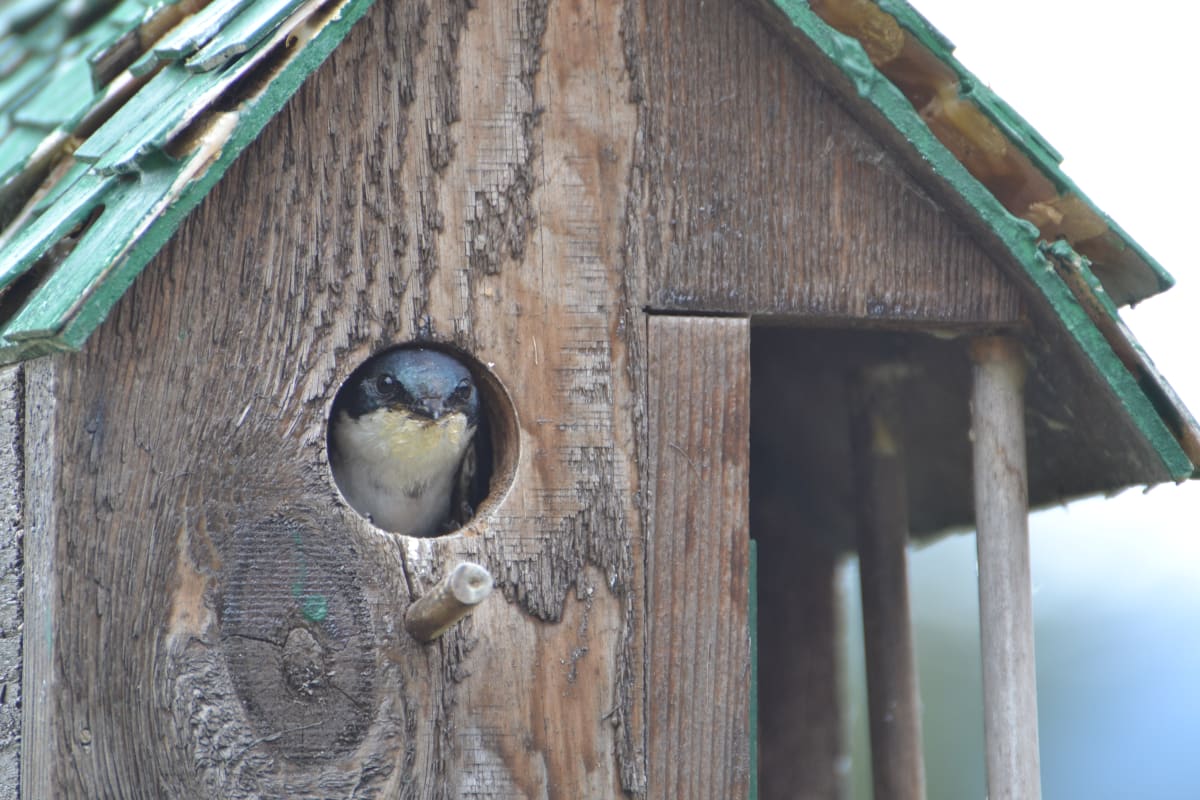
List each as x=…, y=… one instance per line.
x=401, y=442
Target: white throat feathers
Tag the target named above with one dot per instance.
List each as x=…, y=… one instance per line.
x=399, y=469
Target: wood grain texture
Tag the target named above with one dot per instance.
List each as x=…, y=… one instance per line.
x=40, y=733
x=217, y=623
x=698, y=558
x=770, y=198
x=12, y=525
x=520, y=179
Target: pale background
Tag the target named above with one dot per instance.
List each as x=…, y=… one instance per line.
x=1112, y=86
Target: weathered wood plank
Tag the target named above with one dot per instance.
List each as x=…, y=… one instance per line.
x=41, y=733
x=697, y=557
x=769, y=197
x=218, y=622
x=12, y=526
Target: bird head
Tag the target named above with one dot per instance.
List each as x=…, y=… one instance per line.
x=427, y=384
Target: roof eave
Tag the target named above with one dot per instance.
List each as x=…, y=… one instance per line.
x=1146, y=399
x=991, y=140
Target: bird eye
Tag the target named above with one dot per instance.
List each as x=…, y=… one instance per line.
x=389, y=388
x=462, y=392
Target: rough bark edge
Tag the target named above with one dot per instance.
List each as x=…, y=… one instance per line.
x=438, y=151
x=500, y=223
x=632, y=745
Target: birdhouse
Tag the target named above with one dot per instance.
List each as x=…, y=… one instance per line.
x=684, y=276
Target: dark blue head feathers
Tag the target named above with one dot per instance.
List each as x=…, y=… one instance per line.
x=428, y=383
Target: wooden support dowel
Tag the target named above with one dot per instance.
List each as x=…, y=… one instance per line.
x=1005, y=591
x=455, y=596
x=897, y=765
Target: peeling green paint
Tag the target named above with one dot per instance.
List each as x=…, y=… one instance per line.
x=31, y=242
x=853, y=60
x=130, y=206
x=1026, y=138
x=16, y=148
x=1076, y=269
x=123, y=172
x=314, y=607
x=194, y=32
x=245, y=31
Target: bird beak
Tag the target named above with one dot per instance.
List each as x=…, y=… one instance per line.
x=434, y=409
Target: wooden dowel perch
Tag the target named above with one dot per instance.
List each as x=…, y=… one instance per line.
x=894, y=704
x=455, y=596
x=1005, y=590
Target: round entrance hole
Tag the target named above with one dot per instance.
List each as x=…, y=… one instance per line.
x=422, y=438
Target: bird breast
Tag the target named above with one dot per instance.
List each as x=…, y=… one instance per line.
x=399, y=469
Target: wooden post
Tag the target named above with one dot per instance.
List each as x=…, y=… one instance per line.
x=455, y=596
x=1005, y=594
x=897, y=766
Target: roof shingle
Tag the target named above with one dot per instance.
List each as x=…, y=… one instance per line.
x=115, y=120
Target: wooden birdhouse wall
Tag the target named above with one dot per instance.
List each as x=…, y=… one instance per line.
x=529, y=182
x=768, y=198
x=452, y=172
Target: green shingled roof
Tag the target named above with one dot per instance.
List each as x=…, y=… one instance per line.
x=115, y=119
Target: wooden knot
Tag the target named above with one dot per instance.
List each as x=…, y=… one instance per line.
x=304, y=669
x=455, y=596
x=298, y=639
